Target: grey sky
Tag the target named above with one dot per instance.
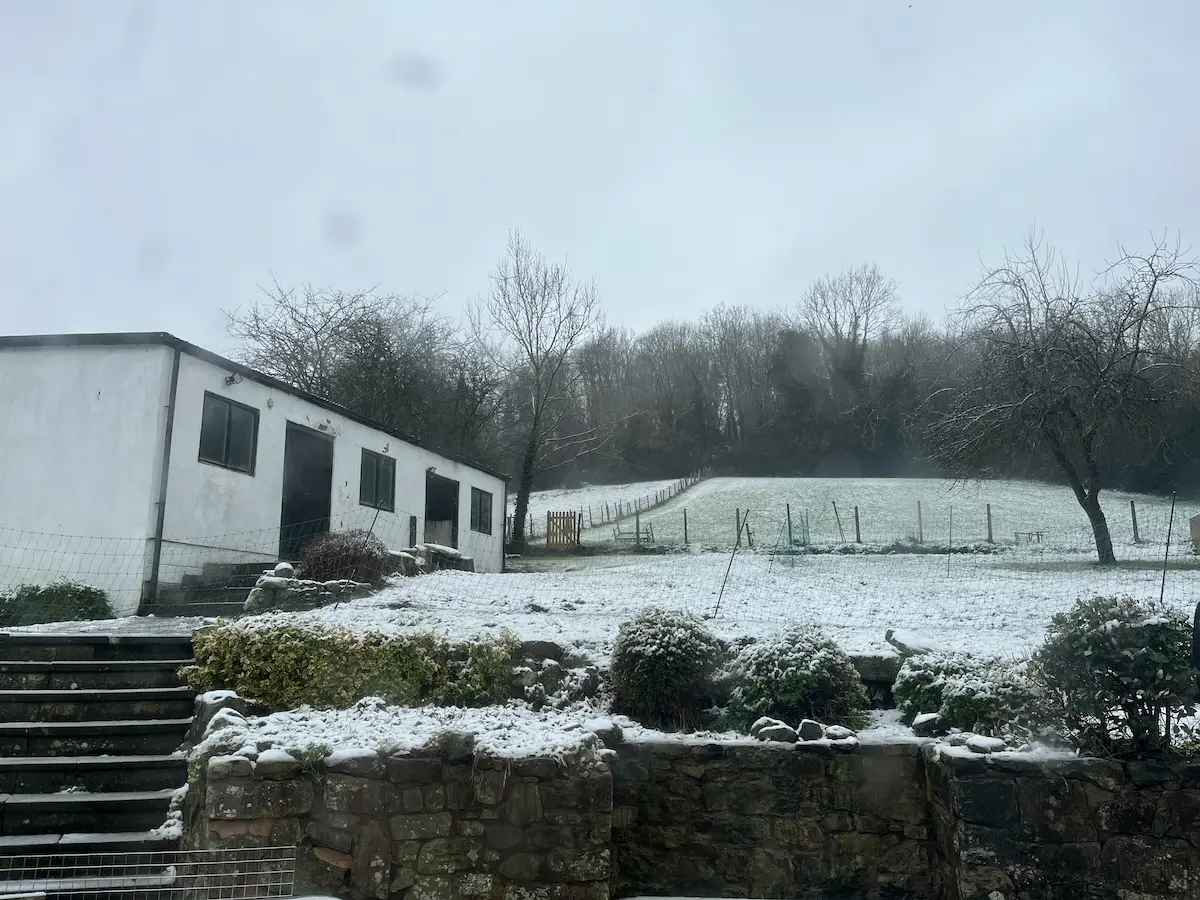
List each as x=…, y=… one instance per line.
x=160, y=159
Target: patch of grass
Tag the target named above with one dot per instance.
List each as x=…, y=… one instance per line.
x=62, y=601
x=1073, y=566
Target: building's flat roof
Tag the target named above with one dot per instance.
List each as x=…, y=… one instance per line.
x=162, y=338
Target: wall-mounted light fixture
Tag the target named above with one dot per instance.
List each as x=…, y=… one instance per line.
x=431, y=470
x=231, y=380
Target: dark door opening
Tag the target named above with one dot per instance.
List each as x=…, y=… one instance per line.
x=441, y=511
x=307, y=489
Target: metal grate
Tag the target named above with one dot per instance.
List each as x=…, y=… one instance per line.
x=255, y=873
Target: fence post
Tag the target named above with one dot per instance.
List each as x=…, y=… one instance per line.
x=836, y=515
x=788, y=507
x=989, y=517
x=531, y=524
x=737, y=518
x=685, y=534
x=857, y=528
x=1137, y=539
x=637, y=528
x=591, y=521
x=920, y=525
x=548, y=514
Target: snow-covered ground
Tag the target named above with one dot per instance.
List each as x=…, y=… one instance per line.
x=887, y=509
x=593, y=497
x=979, y=603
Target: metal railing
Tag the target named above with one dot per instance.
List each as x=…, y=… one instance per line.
x=242, y=874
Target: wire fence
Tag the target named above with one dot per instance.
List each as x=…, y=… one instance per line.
x=937, y=575
x=601, y=505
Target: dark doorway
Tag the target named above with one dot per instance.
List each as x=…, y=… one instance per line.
x=307, y=489
x=441, y=511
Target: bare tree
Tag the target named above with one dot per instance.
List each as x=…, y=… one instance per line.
x=846, y=312
x=1067, y=368
x=534, y=317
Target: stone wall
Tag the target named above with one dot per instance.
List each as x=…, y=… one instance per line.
x=1018, y=829
x=712, y=820
x=877, y=822
x=421, y=828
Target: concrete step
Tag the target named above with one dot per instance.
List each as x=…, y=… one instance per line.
x=129, y=738
x=117, y=811
x=227, y=610
x=28, y=645
x=90, y=674
x=96, y=705
x=222, y=582
x=50, y=774
x=22, y=845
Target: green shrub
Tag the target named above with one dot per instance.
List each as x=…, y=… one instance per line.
x=798, y=674
x=62, y=601
x=661, y=666
x=355, y=555
x=286, y=666
x=985, y=696
x=1115, y=672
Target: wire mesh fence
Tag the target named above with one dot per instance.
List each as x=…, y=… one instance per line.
x=931, y=570
x=233, y=874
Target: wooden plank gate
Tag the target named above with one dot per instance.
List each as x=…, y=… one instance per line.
x=562, y=529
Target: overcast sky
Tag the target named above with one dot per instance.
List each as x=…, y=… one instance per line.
x=160, y=159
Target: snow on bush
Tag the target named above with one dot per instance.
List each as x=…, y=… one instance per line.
x=354, y=555
x=661, y=665
x=284, y=666
x=1116, y=672
x=800, y=673
x=986, y=696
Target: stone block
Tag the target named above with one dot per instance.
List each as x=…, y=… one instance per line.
x=361, y=796
x=221, y=768
x=421, y=826
x=277, y=765
x=531, y=892
x=1151, y=773
x=405, y=853
x=802, y=833
x=488, y=787
x=521, y=867
x=334, y=858
x=541, y=769
x=524, y=804
x=323, y=835
x=1140, y=867
x=410, y=770
x=434, y=797
x=1059, y=864
x=987, y=801
x=597, y=794
x=1177, y=815
x=1129, y=813
x=587, y=865
x=364, y=765
x=412, y=799
x=253, y=799
x=475, y=884
x=372, y=862
x=446, y=855
x=1053, y=810
x=502, y=836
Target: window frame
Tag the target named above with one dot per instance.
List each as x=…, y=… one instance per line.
x=230, y=405
x=376, y=458
x=477, y=518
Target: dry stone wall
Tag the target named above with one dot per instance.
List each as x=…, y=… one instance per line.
x=885, y=821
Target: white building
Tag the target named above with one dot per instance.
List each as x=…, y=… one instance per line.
x=130, y=460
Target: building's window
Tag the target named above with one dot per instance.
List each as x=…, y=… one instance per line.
x=481, y=511
x=377, y=481
x=228, y=434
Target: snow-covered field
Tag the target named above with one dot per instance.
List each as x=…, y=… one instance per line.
x=593, y=498
x=887, y=509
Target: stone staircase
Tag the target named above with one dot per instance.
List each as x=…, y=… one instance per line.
x=90, y=726
x=219, y=590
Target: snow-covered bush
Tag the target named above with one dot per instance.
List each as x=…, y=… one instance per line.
x=800, y=673
x=986, y=696
x=354, y=555
x=1115, y=673
x=661, y=665
x=62, y=601
x=285, y=666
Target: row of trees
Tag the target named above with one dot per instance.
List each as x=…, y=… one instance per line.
x=1040, y=373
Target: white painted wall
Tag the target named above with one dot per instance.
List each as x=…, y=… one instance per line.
x=80, y=429
x=216, y=514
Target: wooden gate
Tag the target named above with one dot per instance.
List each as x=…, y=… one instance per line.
x=562, y=529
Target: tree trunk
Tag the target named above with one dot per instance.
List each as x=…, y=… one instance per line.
x=517, y=541
x=1104, y=545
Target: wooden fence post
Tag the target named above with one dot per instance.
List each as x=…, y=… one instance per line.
x=1137, y=538
x=637, y=528
x=547, y=529
x=737, y=518
x=837, y=516
x=857, y=528
x=920, y=525
x=685, y=534
x=989, y=523
x=788, y=508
